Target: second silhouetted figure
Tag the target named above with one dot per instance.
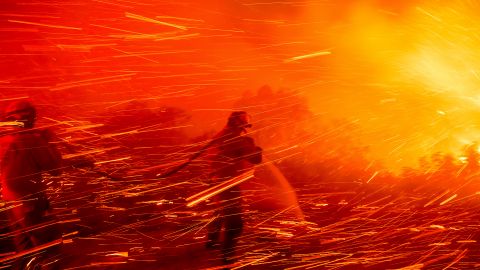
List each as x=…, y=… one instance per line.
x=233, y=154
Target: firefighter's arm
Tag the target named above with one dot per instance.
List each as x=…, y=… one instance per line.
x=46, y=154
x=72, y=159
x=252, y=153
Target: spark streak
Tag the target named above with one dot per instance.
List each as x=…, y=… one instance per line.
x=306, y=56
x=138, y=17
x=208, y=193
x=46, y=25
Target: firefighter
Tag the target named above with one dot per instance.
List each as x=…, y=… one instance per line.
x=233, y=154
x=25, y=154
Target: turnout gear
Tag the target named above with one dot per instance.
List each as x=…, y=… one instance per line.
x=25, y=154
x=233, y=155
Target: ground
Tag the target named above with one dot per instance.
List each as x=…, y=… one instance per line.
x=360, y=229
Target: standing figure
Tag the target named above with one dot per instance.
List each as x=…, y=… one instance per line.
x=25, y=153
x=234, y=154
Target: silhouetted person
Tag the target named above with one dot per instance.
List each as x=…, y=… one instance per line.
x=25, y=154
x=234, y=154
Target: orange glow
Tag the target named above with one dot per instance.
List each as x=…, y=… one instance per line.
x=408, y=78
x=404, y=74
x=367, y=113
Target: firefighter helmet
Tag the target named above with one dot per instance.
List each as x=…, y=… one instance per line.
x=239, y=119
x=22, y=111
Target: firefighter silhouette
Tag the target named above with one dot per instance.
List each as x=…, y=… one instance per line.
x=25, y=154
x=233, y=154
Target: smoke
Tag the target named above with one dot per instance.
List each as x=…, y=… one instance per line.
x=403, y=72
